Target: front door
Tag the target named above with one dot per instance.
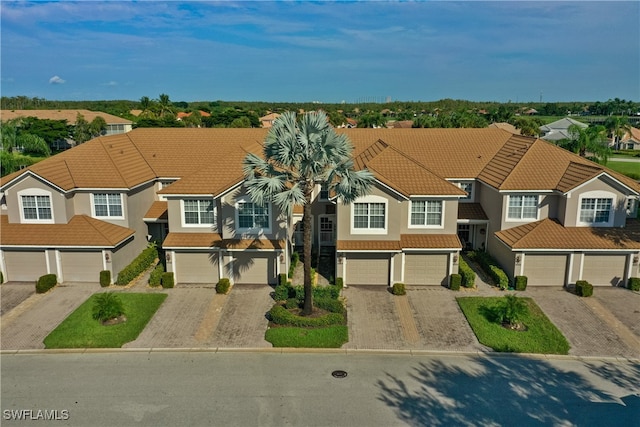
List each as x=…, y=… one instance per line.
x=327, y=236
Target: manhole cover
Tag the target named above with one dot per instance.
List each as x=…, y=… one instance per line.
x=339, y=374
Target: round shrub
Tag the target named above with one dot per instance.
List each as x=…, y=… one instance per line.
x=292, y=303
x=107, y=306
x=634, y=283
x=584, y=288
x=223, y=286
x=167, y=280
x=456, y=280
x=155, y=278
x=282, y=292
x=520, y=283
x=398, y=289
x=45, y=283
x=105, y=278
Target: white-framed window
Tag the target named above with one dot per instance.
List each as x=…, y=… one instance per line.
x=632, y=205
x=162, y=184
x=107, y=205
x=426, y=213
x=522, y=207
x=35, y=206
x=252, y=216
x=595, y=208
x=468, y=187
x=196, y=212
x=369, y=215
x=324, y=191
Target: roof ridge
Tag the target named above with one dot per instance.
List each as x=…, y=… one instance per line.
x=371, y=152
x=89, y=221
x=494, y=165
x=69, y=171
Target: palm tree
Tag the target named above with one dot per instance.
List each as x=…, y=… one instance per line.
x=590, y=139
x=297, y=156
x=617, y=127
x=165, y=105
x=146, y=107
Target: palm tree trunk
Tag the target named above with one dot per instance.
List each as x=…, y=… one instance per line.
x=307, y=308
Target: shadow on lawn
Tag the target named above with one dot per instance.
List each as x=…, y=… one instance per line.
x=511, y=391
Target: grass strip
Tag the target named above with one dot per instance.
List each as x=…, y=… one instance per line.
x=541, y=335
x=329, y=337
x=80, y=330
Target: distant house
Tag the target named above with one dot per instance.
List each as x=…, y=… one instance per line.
x=506, y=126
x=181, y=115
x=267, y=121
x=631, y=140
x=559, y=129
x=115, y=124
x=400, y=124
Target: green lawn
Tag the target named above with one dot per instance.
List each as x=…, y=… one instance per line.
x=80, y=330
x=541, y=336
x=631, y=169
x=328, y=337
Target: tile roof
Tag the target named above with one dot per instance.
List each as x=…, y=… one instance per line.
x=215, y=241
x=80, y=231
x=158, y=210
x=472, y=211
x=430, y=241
x=550, y=234
x=368, y=245
x=69, y=115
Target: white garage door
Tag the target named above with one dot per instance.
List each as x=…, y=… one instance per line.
x=604, y=270
x=545, y=269
x=25, y=265
x=196, y=267
x=253, y=268
x=81, y=266
x=367, y=269
x=425, y=269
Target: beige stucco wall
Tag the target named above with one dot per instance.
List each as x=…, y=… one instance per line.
x=227, y=220
x=58, y=200
x=601, y=184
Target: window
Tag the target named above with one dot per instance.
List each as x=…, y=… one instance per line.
x=595, y=210
x=199, y=212
x=523, y=207
x=369, y=215
x=468, y=187
x=324, y=191
x=251, y=215
x=426, y=212
x=107, y=205
x=36, y=208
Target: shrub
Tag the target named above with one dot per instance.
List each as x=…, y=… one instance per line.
x=138, y=265
x=520, y=283
x=468, y=275
x=339, y=282
x=107, y=306
x=456, y=280
x=491, y=267
x=45, y=283
x=398, y=289
x=295, y=258
x=512, y=309
x=634, y=283
x=282, y=279
x=282, y=292
x=167, y=280
x=223, y=286
x=584, y=288
x=332, y=292
x=292, y=303
x=155, y=278
x=330, y=304
x=1, y=277
x=105, y=278
x=281, y=316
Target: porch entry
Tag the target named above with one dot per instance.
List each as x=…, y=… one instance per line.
x=327, y=230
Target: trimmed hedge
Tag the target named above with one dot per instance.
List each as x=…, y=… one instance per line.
x=339, y=281
x=105, y=278
x=281, y=316
x=634, y=283
x=520, y=283
x=138, y=265
x=491, y=267
x=456, y=280
x=398, y=289
x=468, y=275
x=46, y=282
x=223, y=286
x=584, y=288
x=286, y=291
x=282, y=279
x=295, y=258
x=167, y=280
x=330, y=304
x=155, y=278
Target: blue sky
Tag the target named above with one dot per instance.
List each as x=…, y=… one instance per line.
x=321, y=51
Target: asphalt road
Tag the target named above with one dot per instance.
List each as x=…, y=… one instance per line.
x=292, y=389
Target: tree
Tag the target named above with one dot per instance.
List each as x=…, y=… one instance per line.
x=81, y=130
x=15, y=141
x=165, y=105
x=529, y=126
x=296, y=157
x=617, y=127
x=591, y=139
x=146, y=107
x=98, y=126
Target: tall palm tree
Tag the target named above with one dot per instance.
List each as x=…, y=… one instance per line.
x=591, y=139
x=617, y=127
x=165, y=105
x=296, y=156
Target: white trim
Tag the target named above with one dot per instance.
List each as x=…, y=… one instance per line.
x=392, y=189
x=360, y=251
x=368, y=200
x=46, y=260
x=58, y=256
x=228, y=190
x=107, y=217
x=426, y=226
x=597, y=194
x=573, y=250
x=33, y=175
x=598, y=176
x=448, y=250
x=522, y=206
x=35, y=192
x=2, y=266
x=207, y=225
x=516, y=192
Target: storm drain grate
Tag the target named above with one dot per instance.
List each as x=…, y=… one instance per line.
x=339, y=374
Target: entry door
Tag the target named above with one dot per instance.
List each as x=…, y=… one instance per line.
x=327, y=230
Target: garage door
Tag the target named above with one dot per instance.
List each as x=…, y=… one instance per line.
x=196, y=267
x=425, y=269
x=81, y=266
x=545, y=270
x=25, y=265
x=254, y=268
x=604, y=270
x=367, y=269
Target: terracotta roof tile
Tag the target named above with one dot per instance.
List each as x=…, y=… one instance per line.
x=549, y=234
x=430, y=241
x=158, y=210
x=81, y=230
x=471, y=211
x=69, y=115
x=576, y=174
x=215, y=241
x=368, y=245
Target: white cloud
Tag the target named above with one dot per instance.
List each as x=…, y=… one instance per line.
x=56, y=80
